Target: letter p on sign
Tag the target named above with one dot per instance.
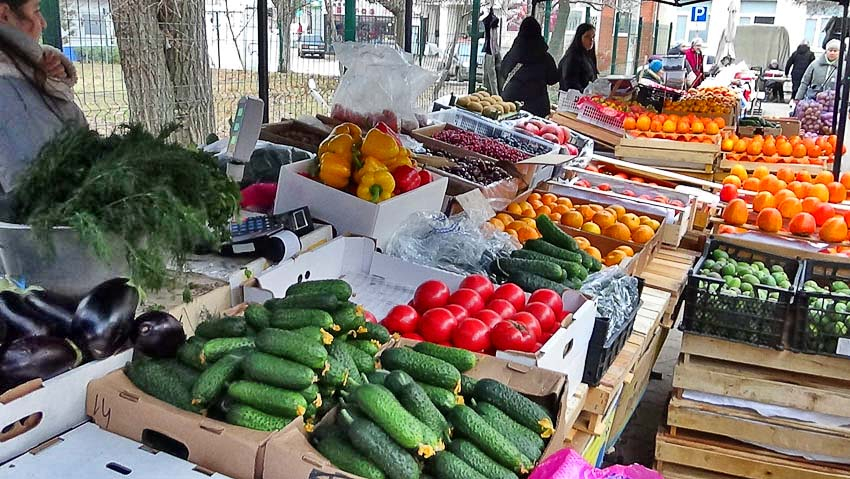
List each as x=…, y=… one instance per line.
x=699, y=14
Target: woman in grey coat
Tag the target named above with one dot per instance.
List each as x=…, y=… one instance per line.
x=821, y=74
x=36, y=90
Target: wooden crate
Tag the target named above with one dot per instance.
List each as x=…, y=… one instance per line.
x=601, y=136
x=669, y=272
x=699, y=157
x=726, y=165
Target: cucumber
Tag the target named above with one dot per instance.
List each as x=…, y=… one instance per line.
x=448, y=466
x=217, y=348
x=376, y=332
x=467, y=385
x=555, y=235
x=333, y=287
x=462, y=359
x=470, y=425
x=547, y=248
x=479, y=461
x=529, y=254
x=544, y=269
x=349, y=317
x=526, y=440
x=338, y=351
x=189, y=353
x=379, y=404
x=518, y=407
x=422, y=368
x=213, y=381
x=325, y=302
x=274, y=371
x=246, y=416
x=417, y=402
x=531, y=282
x=268, y=399
x=343, y=455
x=576, y=271
x=368, y=346
x=379, y=376
x=299, y=318
x=589, y=262
x=293, y=346
x=338, y=373
x=158, y=380
x=444, y=399
x=311, y=395
x=365, y=362
x=257, y=316
x=226, y=327
x=397, y=380
x=316, y=334
x=370, y=440
x=187, y=375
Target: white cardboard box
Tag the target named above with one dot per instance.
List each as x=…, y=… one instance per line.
x=379, y=281
x=61, y=401
x=566, y=350
x=348, y=213
x=89, y=452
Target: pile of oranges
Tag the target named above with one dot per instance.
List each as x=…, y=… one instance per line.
x=675, y=127
x=787, y=183
x=612, y=221
x=779, y=149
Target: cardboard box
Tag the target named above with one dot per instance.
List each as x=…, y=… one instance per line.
x=89, y=452
x=348, y=213
x=789, y=126
x=117, y=405
x=291, y=456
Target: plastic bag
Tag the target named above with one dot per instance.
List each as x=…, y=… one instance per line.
x=568, y=464
x=600, y=86
x=612, y=288
x=462, y=244
x=380, y=84
x=266, y=160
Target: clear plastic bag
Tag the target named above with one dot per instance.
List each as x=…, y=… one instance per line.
x=463, y=244
x=568, y=464
x=380, y=84
x=616, y=295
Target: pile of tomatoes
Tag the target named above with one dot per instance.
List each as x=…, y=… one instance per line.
x=478, y=316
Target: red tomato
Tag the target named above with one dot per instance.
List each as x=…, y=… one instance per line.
x=512, y=294
x=472, y=334
x=480, y=284
x=530, y=323
x=430, y=294
x=460, y=313
x=549, y=298
x=469, y=299
x=369, y=316
x=511, y=335
x=437, y=325
x=401, y=319
x=413, y=336
x=488, y=317
x=502, y=307
x=544, y=316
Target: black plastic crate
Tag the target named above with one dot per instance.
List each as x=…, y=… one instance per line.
x=823, y=318
x=762, y=320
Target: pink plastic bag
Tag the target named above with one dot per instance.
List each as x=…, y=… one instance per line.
x=568, y=464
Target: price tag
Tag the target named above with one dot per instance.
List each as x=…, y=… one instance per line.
x=474, y=201
x=843, y=348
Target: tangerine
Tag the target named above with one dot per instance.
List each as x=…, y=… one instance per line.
x=819, y=191
x=604, y=219
x=549, y=199
x=727, y=144
x=630, y=124
x=642, y=234
x=591, y=228
x=619, y=210
x=760, y=172
x=712, y=128
x=573, y=219
x=668, y=127
x=784, y=149
x=527, y=233
x=683, y=127
x=626, y=249
x=824, y=177
x=769, y=220
x=594, y=251
x=697, y=127
x=631, y=221
x=582, y=242
x=618, y=231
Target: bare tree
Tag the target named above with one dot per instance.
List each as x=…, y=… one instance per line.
x=396, y=7
x=557, y=42
x=163, y=50
x=233, y=35
x=285, y=15
x=448, y=59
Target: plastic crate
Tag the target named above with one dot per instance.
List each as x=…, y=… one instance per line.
x=568, y=101
x=758, y=320
x=590, y=113
x=601, y=353
x=673, y=62
x=823, y=319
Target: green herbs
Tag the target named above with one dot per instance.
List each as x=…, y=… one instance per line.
x=130, y=193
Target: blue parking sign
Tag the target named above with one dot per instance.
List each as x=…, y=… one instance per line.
x=699, y=14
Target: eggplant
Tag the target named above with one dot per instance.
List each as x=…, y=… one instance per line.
x=21, y=320
x=104, y=318
x=35, y=357
x=55, y=310
x=157, y=334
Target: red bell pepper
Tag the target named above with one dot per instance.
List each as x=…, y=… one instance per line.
x=406, y=179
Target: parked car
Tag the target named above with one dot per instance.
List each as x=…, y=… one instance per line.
x=311, y=45
x=460, y=68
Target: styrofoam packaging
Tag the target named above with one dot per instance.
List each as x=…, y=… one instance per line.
x=89, y=452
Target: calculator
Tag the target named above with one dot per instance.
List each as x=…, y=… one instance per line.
x=298, y=221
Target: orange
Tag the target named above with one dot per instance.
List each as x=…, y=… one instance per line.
x=643, y=123
x=783, y=195
x=820, y=192
x=582, y=242
x=752, y=184
x=834, y=230
x=618, y=231
x=824, y=177
x=798, y=151
x=845, y=179
x=560, y=209
x=654, y=224
x=785, y=174
x=573, y=219
x=732, y=180
x=810, y=204
x=604, y=219
x=823, y=212
x=530, y=222
x=800, y=190
x=804, y=176
x=769, y=220
x=697, y=127
x=535, y=204
x=770, y=183
x=512, y=233
x=534, y=197
x=784, y=149
x=655, y=126
x=505, y=218
x=593, y=251
x=683, y=127
x=514, y=208
x=614, y=258
x=626, y=249
x=596, y=208
x=543, y=210
x=754, y=148
x=739, y=171
x=790, y=207
x=497, y=223
x=668, y=127
x=529, y=213
x=760, y=172
x=631, y=221
x=619, y=209
x=762, y=200
x=586, y=211
x=555, y=217
x=516, y=225
x=727, y=145
x=591, y=228
x=630, y=124
x=527, y=233
x=802, y=224
x=721, y=123
x=642, y=234
x=566, y=202
x=740, y=146
x=735, y=212
x=549, y=199
x=837, y=192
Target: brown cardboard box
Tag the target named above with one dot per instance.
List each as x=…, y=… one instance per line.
x=116, y=405
x=289, y=455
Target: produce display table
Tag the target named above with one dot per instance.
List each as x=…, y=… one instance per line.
x=601, y=136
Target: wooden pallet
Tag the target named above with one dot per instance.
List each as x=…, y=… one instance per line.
x=682, y=161
x=668, y=271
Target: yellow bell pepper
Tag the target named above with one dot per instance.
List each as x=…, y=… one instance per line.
x=349, y=129
x=342, y=144
x=379, y=145
x=370, y=165
x=335, y=169
x=376, y=186
x=403, y=159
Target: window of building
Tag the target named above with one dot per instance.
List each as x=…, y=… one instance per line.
x=681, y=31
x=576, y=19
x=761, y=12
x=811, y=30
x=763, y=20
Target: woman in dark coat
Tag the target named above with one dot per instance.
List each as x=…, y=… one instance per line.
x=797, y=64
x=578, y=67
x=530, y=69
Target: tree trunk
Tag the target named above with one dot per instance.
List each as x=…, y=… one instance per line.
x=285, y=15
x=450, y=53
x=396, y=7
x=557, y=44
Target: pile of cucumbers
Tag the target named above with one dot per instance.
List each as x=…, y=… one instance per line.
x=282, y=360
x=554, y=261
x=421, y=417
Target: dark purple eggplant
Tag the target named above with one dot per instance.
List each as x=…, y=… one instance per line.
x=35, y=357
x=55, y=310
x=104, y=318
x=157, y=334
x=21, y=320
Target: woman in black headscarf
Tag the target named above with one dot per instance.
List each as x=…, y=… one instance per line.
x=578, y=67
x=530, y=69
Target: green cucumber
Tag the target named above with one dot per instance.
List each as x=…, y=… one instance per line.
x=217, y=348
x=368, y=346
x=311, y=395
x=274, y=371
x=547, y=248
x=349, y=317
x=518, y=407
x=257, y=316
x=316, y=334
x=187, y=374
x=555, y=235
x=422, y=368
x=189, y=353
x=545, y=269
x=378, y=376
x=226, y=327
x=377, y=332
x=467, y=385
x=325, y=302
x=469, y=424
x=417, y=402
x=462, y=359
x=336, y=374
x=370, y=440
x=338, y=351
x=397, y=380
x=292, y=346
x=530, y=282
x=299, y=318
x=333, y=287
x=342, y=454
x=268, y=399
x=448, y=466
x=157, y=379
x=589, y=262
x=526, y=440
x=246, y=416
x=568, y=266
x=213, y=381
x=444, y=399
x=381, y=406
x=479, y=461
x=365, y=362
